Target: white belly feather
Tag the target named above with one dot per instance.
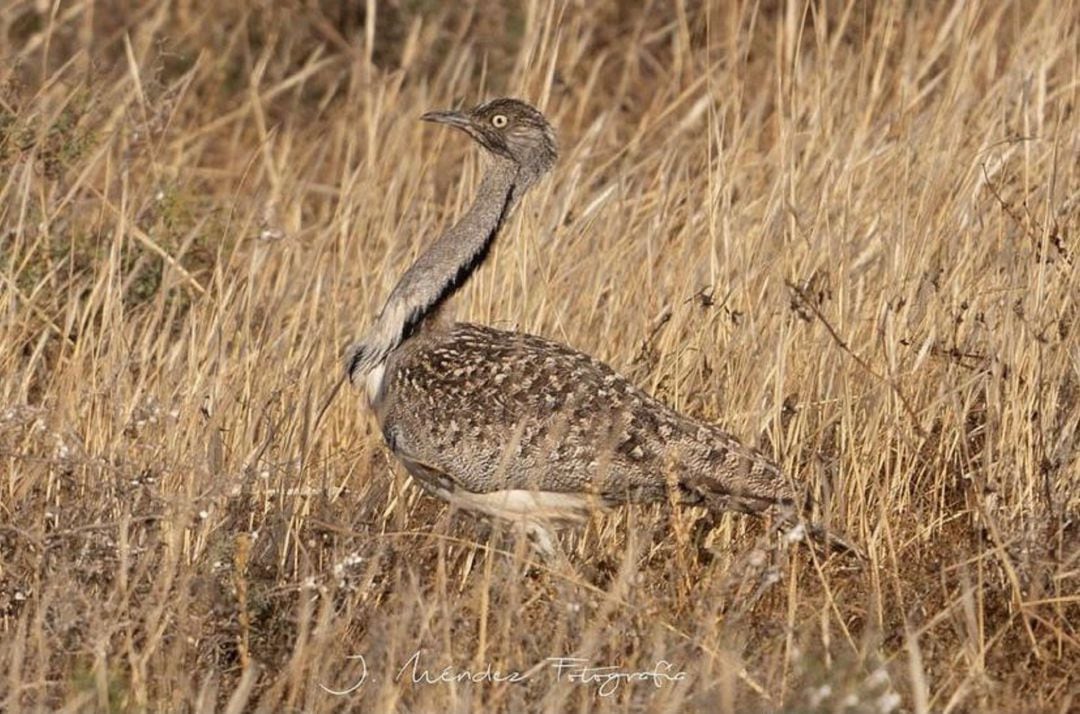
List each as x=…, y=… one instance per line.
x=373, y=383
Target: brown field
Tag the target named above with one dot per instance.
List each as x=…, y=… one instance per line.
x=847, y=231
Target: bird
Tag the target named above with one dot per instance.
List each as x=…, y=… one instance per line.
x=519, y=427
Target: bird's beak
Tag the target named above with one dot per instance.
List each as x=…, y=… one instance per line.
x=458, y=119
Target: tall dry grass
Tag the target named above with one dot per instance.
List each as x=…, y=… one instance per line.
x=848, y=231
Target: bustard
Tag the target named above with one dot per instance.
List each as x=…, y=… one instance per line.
x=517, y=426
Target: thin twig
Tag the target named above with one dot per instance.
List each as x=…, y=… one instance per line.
x=859, y=360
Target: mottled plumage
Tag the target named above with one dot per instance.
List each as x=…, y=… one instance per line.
x=517, y=426
x=479, y=409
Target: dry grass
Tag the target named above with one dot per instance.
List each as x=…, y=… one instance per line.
x=848, y=231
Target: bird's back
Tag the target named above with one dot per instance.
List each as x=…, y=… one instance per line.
x=473, y=408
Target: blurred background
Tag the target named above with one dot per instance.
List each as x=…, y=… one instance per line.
x=847, y=231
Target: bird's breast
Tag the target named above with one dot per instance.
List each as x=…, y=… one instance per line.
x=374, y=383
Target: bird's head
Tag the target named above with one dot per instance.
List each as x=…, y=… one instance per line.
x=508, y=128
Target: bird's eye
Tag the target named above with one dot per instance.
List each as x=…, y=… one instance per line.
x=499, y=121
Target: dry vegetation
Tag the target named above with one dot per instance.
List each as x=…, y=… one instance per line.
x=848, y=231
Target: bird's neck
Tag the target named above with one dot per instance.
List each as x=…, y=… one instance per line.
x=444, y=266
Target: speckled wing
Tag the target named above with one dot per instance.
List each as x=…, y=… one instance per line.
x=487, y=410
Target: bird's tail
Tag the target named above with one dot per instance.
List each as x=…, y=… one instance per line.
x=796, y=529
x=749, y=482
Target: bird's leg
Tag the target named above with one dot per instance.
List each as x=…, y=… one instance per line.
x=540, y=538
